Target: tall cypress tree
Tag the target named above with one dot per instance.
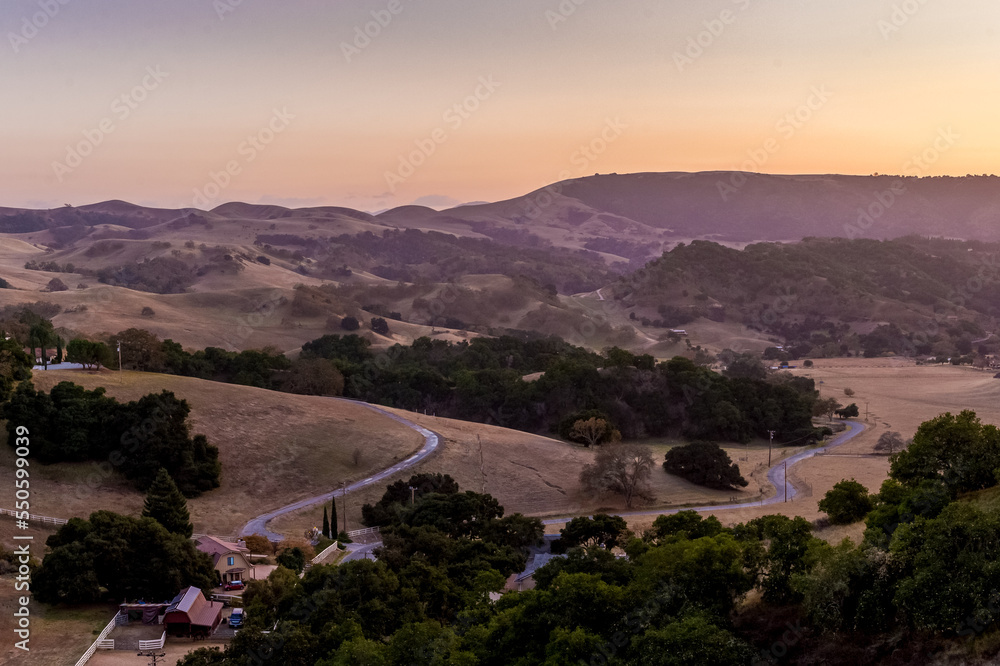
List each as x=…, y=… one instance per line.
x=166, y=505
x=326, y=524
x=333, y=518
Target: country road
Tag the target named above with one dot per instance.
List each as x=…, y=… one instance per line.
x=258, y=525
x=776, y=475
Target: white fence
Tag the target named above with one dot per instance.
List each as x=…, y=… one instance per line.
x=33, y=517
x=100, y=639
x=106, y=644
x=153, y=645
x=367, y=530
x=231, y=599
x=326, y=551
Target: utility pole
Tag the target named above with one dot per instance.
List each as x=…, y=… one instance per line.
x=866, y=411
x=769, y=443
x=413, y=492
x=121, y=375
x=343, y=492
x=151, y=655
x=786, y=480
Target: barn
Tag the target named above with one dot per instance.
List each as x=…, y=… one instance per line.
x=191, y=614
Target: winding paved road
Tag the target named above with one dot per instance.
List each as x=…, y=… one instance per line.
x=431, y=440
x=776, y=475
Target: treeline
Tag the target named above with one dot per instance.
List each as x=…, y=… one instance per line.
x=483, y=380
x=412, y=255
x=72, y=424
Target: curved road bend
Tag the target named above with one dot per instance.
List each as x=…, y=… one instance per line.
x=258, y=525
x=776, y=475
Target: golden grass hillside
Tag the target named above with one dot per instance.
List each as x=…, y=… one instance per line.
x=275, y=448
x=540, y=476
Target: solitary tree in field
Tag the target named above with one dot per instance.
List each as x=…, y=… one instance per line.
x=622, y=469
x=890, y=441
x=706, y=464
x=166, y=505
x=849, y=412
x=590, y=431
x=849, y=392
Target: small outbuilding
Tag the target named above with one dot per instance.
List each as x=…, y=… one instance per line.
x=191, y=614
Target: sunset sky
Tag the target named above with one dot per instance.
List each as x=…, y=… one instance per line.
x=454, y=101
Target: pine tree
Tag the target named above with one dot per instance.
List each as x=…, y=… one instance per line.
x=166, y=505
x=333, y=518
x=326, y=524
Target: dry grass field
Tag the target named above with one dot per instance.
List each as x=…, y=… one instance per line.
x=58, y=635
x=539, y=476
x=275, y=448
x=900, y=395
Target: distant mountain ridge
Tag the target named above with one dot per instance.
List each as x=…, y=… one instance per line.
x=648, y=210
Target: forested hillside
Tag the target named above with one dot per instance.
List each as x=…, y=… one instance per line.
x=828, y=297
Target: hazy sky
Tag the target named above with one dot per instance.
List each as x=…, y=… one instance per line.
x=198, y=102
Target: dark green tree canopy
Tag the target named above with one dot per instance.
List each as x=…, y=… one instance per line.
x=957, y=449
x=166, y=505
x=114, y=557
x=706, y=464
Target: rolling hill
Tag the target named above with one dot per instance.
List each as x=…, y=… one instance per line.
x=246, y=276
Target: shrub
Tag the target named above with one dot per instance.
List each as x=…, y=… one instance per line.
x=55, y=284
x=148, y=311
x=706, y=464
x=350, y=324
x=847, y=502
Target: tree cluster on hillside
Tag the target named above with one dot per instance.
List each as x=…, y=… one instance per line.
x=483, y=380
x=159, y=275
x=111, y=557
x=412, y=255
x=808, y=295
x=72, y=424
